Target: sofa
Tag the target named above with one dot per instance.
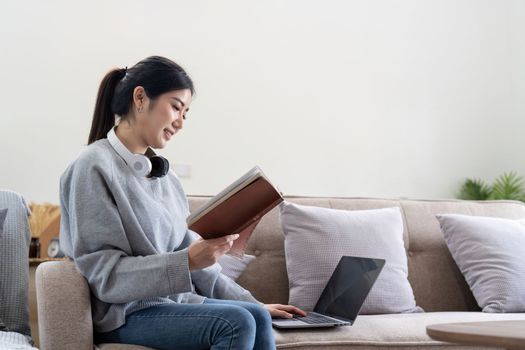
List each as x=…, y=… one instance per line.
x=438, y=285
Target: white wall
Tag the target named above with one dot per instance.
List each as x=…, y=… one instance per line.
x=344, y=98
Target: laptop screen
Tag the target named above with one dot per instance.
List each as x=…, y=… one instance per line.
x=348, y=287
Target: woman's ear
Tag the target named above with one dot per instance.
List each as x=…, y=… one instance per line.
x=140, y=99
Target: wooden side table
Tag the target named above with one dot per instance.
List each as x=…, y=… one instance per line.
x=503, y=334
x=33, y=311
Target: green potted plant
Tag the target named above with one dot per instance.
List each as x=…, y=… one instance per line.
x=507, y=186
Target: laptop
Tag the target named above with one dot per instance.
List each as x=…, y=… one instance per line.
x=343, y=296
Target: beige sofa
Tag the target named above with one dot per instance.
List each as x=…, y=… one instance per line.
x=439, y=287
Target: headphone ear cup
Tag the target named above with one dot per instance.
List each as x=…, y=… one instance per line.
x=159, y=166
x=141, y=165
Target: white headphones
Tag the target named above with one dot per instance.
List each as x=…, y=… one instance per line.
x=149, y=165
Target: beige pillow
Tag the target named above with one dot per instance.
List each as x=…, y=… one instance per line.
x=316, y=238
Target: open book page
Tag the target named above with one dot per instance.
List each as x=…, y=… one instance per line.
x=242, y=182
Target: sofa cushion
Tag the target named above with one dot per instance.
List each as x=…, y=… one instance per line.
x=489, y=252
x=316, y=238
x=436, y=280
x=370, y=332
x=384, y=331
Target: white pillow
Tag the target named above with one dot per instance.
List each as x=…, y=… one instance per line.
x=316, y=238
x=233, y=266
x=15, y=341
x=490, y=252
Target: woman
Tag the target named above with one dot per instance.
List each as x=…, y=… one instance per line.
x=153, y=281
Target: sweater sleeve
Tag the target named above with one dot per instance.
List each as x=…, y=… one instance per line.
x=92, y=234
x=210, y=282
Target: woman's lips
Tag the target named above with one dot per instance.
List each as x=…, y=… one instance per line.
x=167, y=134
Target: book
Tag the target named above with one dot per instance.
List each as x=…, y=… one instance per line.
x=236, y=209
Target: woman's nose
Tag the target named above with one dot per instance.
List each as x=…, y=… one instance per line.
x=178, y=122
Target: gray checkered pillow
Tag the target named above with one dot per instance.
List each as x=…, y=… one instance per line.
x=3, y=214
x=14, y=266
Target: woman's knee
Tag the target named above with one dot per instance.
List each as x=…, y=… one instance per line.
x=259, y=313
x=237, y=323
x=243, y=317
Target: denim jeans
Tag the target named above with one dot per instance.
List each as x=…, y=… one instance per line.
x=216, y=324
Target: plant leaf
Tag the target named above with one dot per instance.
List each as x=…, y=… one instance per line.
x=474, y=189
x=508, y=186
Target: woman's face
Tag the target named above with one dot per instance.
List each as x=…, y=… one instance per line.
x=163, y=117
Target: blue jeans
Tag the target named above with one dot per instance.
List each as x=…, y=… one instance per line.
x=216, y=324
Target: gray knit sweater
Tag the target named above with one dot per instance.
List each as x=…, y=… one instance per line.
x=128, y=237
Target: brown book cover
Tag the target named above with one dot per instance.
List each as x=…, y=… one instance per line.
x=240, y=205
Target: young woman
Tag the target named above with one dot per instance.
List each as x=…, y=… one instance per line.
x=153, y=281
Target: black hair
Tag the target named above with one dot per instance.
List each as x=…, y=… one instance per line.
x=157, y=75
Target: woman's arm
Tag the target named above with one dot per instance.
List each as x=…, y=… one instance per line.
x=210, y=282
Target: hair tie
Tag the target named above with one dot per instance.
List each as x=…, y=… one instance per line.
x=123, y=72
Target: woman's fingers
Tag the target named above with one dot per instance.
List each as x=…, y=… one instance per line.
x=203, y=253
x=281, y=313
x=284, y=311
x=224, y=240
x=294, y=309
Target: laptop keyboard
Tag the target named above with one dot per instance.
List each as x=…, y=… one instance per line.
x=314, y=319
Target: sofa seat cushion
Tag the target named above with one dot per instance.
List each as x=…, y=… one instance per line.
x=385, y=331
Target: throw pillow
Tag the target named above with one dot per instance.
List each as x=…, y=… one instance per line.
x=14, y=265
x=15, y=341
x=3, y=214
x=316, y=238
x=489, y=252
x=232, y=266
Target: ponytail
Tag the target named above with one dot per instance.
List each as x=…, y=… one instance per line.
x=103, y=117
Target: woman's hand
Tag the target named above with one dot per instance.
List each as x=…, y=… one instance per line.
x=283, y=311
x=203, y=253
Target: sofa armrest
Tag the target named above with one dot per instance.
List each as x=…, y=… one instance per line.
x=64, y=307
